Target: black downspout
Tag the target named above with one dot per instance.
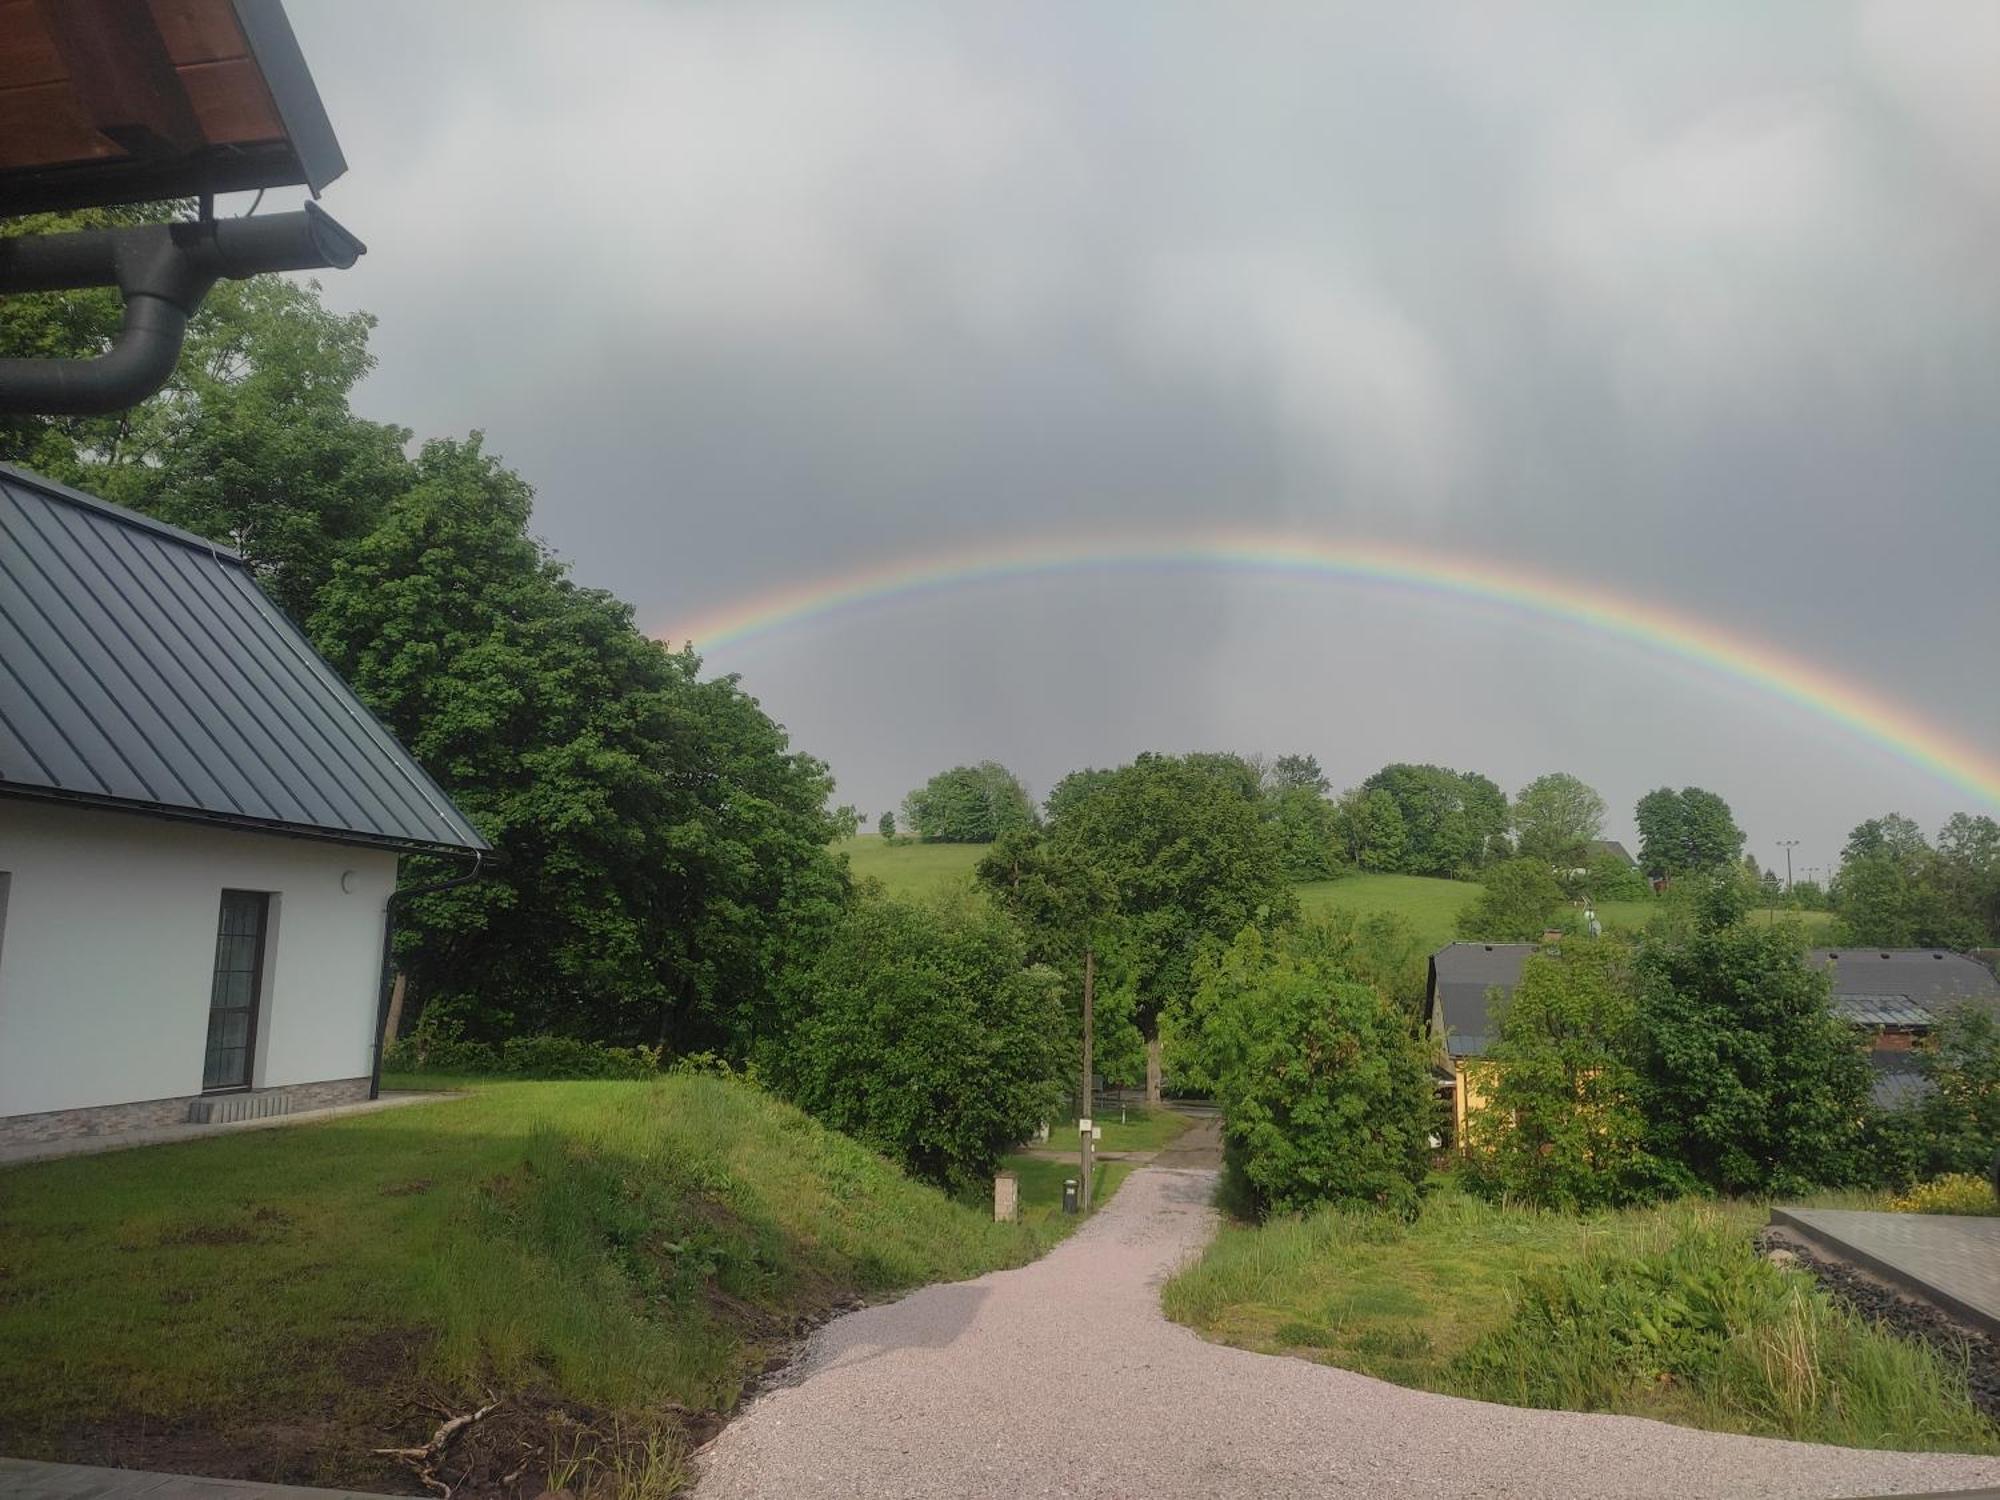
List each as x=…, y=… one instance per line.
x=163, y=271
x=389, y=909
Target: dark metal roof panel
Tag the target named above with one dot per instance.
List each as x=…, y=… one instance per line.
x=1881, y=1010
x=1467, y=977
x=141, y=666
x=1933, y=978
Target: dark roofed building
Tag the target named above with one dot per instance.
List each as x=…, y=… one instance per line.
x=1897, y=995
x=199, y=827
x=1599, y=848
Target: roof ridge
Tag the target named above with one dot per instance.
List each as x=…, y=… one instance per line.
x=123, y=515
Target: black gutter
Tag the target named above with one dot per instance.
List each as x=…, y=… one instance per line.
x=163, y=271
x=389, y=908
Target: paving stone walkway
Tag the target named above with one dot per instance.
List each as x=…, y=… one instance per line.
x=23, y=1479
x=1952, y=1259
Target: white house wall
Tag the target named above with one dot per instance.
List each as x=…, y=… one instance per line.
x=109, y=946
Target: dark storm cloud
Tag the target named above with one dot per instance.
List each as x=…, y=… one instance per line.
x=1695, y=304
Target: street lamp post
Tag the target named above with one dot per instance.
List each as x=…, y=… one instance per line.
x=1788, y=845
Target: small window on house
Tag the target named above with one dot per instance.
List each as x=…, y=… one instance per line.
x=235, y=990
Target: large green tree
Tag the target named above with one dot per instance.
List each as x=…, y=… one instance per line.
x=1561, y=1126
x=1686, y=832
x=1749, y=1082
x=1184, y=859
x=1324, y=1083
x=969, y=805
x=1308, y=825
x=1555, y=819
x=1894, y=890
x=922, y=1031
x=1453, y=822
x=662, y=847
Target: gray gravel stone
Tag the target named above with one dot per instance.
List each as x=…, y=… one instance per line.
x=1063, y=1379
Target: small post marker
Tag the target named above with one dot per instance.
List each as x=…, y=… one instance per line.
x=1006, y=1198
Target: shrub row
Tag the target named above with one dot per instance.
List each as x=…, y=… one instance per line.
x=443, y=1051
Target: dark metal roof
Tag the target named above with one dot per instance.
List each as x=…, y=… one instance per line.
x=1613, y=848
x=142, y=668
x=1462, y=976
x=1931, y=978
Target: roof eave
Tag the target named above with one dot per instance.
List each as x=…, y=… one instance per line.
x=350, y=837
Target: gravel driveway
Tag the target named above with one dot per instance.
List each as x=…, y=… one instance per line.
x=1062, y=1378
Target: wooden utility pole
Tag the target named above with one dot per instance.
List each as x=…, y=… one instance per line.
x=1086, y=1121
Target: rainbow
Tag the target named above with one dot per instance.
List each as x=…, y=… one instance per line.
x=1868, y=715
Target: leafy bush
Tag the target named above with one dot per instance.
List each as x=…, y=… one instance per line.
x=1960, y=1114
x=920, y=1031
x=1958, y=1193
x=1750, y=1342
x=1561, y=1126
x=1324, y=1084
x=568, y=1057
x=1518, y=898
x=1747, y=1078
x=438, y=1046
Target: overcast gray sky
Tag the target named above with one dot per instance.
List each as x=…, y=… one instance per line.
x=1696, y=304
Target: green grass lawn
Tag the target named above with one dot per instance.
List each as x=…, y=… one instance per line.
x=911, y=869
x=1430, y=906
x=1041, y=1186
x=1437, y=1304
x=275, y=1304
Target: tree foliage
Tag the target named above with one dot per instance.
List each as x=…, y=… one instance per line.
x=1562, y=1127
x=1749, y=1081
x=1370, y=831
x=1685, y=832
x=1515, y=903
x=1555, y=819
x=921, y=1030
x=1307, y=823
x=1960, y=1112
x=1324, y=1085
x=1453, y=822
x=969, y=805
x=1181, y=857
x=660, y=844
x=1894, y=890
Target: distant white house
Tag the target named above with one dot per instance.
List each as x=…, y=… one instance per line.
x=199, y=832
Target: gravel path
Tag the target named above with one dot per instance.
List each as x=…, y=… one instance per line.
x=1063, y=1378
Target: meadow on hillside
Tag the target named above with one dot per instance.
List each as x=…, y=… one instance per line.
x=1432, y=906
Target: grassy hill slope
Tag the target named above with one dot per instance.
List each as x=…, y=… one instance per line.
x=911, y=869
x=612, y=1261
x=1432, y=906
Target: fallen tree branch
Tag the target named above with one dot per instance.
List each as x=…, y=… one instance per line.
x=424, y=1460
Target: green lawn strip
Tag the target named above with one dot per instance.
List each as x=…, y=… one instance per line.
x=1140, y=1130
x=1443, y=1304
x=1041, y=1189
x=283, y=1295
